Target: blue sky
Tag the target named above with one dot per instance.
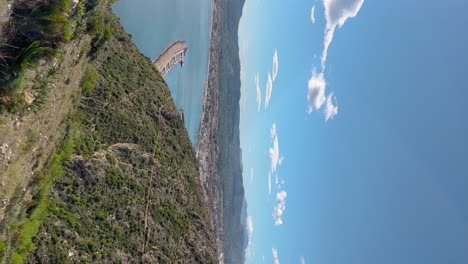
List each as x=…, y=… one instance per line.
x=369, y=144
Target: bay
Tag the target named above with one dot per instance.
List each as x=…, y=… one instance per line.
x=154, y=25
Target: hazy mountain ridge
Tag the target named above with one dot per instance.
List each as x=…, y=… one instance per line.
x=229, y=141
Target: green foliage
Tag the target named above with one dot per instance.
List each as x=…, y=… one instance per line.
x=29, y=229
x=3, y=248
x=90, y=80
x=17, y=258
x=67, y=32
x=96, y=24
x=63, y=214
x=99, y=28
x=108, y=33
x=90, y=4
x=31, y=55
x=54, y=17
x=40, y=28
x=113, y=178
x=177, y=222
x=27, y=59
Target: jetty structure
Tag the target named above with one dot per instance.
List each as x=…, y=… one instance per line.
x=171, y=56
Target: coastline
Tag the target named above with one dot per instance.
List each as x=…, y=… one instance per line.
x=207, y=149
x=218, y=151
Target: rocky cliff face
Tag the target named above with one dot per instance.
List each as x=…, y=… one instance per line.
x=99, y=167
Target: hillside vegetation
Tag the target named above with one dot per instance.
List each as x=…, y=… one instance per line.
x=116, y=178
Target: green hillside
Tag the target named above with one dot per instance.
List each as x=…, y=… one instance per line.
x=117, y=179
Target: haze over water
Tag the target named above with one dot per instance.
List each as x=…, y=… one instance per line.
x=154, y=25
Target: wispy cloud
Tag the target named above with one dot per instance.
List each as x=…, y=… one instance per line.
x=312, y=14
x=251, y=175
x=276, y=160
x=331, y=109
x=336, y=14
x=274, y=149
x=269, y=84
x=259, y=92
x=250, y=226
x=275, y=65
x=269, y=182
x=280, y=184
x=280, y=207
x=250, y=229
x=316, y=93
x=269, y=89
x=302, y=259
x=274, y=251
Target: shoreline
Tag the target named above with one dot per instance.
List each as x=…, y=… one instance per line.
x=207, y=151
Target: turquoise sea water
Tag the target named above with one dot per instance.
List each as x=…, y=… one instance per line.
x=154, y=25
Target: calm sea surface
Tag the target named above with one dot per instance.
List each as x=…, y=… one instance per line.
x=154, y=25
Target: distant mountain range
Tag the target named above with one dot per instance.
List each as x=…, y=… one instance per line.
x=219, y=143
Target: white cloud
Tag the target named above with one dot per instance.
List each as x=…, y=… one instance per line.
x=250, y=227
x=316, y=93
x=280, y=207
x=274, y=150
x=302, y=260
x=336, y=14
x=259, y=92
x=330, y=110
x=251, y=175
x=269, y=182
x=280, y=184
x=274, y=251
x=273, y=131
x=312, y=14
x=275, y=65
x=269, y=89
